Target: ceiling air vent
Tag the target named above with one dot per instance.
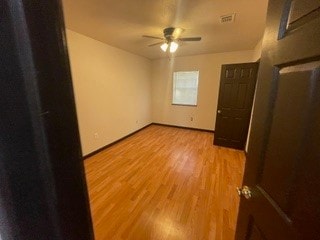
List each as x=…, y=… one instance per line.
x=227, y=18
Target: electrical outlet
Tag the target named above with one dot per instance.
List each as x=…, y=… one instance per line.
x=191, y=119
x=96, y=135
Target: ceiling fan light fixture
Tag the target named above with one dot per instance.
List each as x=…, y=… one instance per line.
x=173, y=47
x=171, y=39
x=164, y=47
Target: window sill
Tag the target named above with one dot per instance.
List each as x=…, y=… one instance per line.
x=185, y=105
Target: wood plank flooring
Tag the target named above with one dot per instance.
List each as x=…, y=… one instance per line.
x=165, y=183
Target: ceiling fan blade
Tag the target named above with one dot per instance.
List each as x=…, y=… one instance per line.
x=190, y=39
x=147, y=36
x=158, y=43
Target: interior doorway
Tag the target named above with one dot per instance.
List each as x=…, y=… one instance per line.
x=237, y=87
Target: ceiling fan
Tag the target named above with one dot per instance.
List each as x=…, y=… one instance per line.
x=171, y=39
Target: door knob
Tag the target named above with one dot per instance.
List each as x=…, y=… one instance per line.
x=244, y=191
x=219, y=111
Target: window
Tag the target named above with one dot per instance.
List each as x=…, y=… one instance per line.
x=185, y=88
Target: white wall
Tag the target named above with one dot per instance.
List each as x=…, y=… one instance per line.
x=209, y=66
x=257, y=51
x=112, y=90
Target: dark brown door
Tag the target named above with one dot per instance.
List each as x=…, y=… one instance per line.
x=236, y=93
x=283, y=164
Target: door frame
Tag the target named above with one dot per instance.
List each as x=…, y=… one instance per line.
x=43, y=192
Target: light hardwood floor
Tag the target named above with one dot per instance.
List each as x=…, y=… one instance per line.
x=165, y=183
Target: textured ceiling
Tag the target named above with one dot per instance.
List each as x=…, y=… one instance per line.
x=121, y=23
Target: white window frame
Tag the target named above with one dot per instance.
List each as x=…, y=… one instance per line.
x=175, y=89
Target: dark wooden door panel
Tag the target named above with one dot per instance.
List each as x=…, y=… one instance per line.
x=234, y=130
x=305, y=213
x=288, y=134
x=253, y=231
x=256, y=234
x=234, y=105
x=302, y=9
x=283, y=167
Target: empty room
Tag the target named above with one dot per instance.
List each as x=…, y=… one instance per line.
x=147, y=120
x=168, y=180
